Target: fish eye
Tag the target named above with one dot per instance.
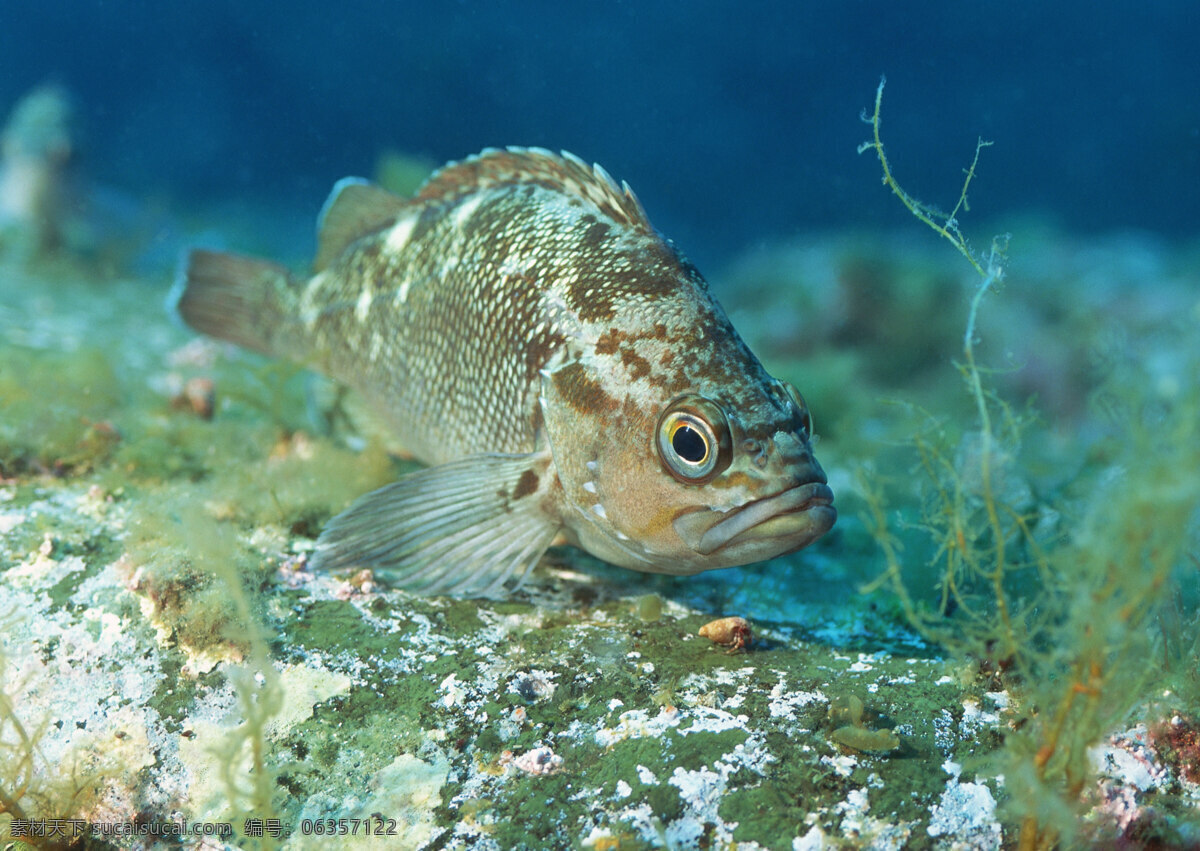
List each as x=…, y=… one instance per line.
x=801, y=407
x=693, y=439
x=689, y=443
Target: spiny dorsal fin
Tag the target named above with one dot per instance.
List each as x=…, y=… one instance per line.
x=354, y=209
x=513, y=166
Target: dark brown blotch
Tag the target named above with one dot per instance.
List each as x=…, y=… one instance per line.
x=595, y=234
x=608, y=342
x=527, y=484
x=581, y=391
x=637, y=365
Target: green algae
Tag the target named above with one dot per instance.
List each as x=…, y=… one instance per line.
x=56, y=411
x=335, y=626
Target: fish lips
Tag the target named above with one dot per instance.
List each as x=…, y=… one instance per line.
x=762, y=529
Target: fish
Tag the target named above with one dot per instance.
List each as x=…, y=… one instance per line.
x=36, y=157
x=50, y=208
x=560, y=366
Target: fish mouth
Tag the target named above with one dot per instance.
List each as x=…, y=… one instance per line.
x=765, y=528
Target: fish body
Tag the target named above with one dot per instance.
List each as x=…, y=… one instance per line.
x=561, y=367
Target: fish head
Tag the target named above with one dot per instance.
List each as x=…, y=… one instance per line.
x=714, y=476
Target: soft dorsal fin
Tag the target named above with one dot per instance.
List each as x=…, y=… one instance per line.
x=354, y=209
x=514, y=166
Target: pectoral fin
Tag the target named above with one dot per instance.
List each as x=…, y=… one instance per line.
x=465, y=528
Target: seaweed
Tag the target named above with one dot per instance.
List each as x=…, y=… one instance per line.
x=31, y=785
x=1061, y=603
x=200, y=581
x=18, y=746
x=249, y=775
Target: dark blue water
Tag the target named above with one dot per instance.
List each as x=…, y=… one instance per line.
x=734, y=122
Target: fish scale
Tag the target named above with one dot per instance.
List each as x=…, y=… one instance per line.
x=564, y=369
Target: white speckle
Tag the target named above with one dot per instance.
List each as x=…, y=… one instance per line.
x=314, y=285
x=1132, y=769
x=854, y=811
x=624, y=790
x=466, y=209
x=784, y=703
x=399, y=235
x=967, y=812
x=814, y=840
x=843, y=765
x=363, y=307
x=646, y=776
x=636, y=724
x=454, y=693
x=590, y=487
x=593, y=466
x=709, y=720
x=702, y=788
x=535, y=685
x=943, y=681
x=310, y=312
x=974, y=717
x=615, y=704
x=999, y=698
x=539, y=761
x=863, y=663
x=599, y=511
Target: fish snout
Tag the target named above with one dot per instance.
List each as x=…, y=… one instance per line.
x=788, y=520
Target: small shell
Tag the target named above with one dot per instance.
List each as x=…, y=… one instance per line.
x=198, y=395
x=732, y=632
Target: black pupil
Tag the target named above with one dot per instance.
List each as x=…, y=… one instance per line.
x=689, y=444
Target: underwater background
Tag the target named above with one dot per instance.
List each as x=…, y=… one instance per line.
x=736, y=123
x=997, y=646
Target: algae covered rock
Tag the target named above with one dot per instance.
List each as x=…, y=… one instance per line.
x=170, y=664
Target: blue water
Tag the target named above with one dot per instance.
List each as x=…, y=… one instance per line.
x=733, y=122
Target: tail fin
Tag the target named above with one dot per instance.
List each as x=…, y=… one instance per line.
x=234, y=298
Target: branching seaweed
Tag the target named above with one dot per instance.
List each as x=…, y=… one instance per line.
x=249, y=778
x=199, y=586
x=1072, y=618
x=18, y=747
x=29, y=786
x=951, y=518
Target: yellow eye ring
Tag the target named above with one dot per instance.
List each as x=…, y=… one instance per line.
x=693, y=439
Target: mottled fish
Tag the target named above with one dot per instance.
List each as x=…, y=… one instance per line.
x=559, y=364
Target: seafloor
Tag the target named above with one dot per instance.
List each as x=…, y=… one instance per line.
x=167, y=657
